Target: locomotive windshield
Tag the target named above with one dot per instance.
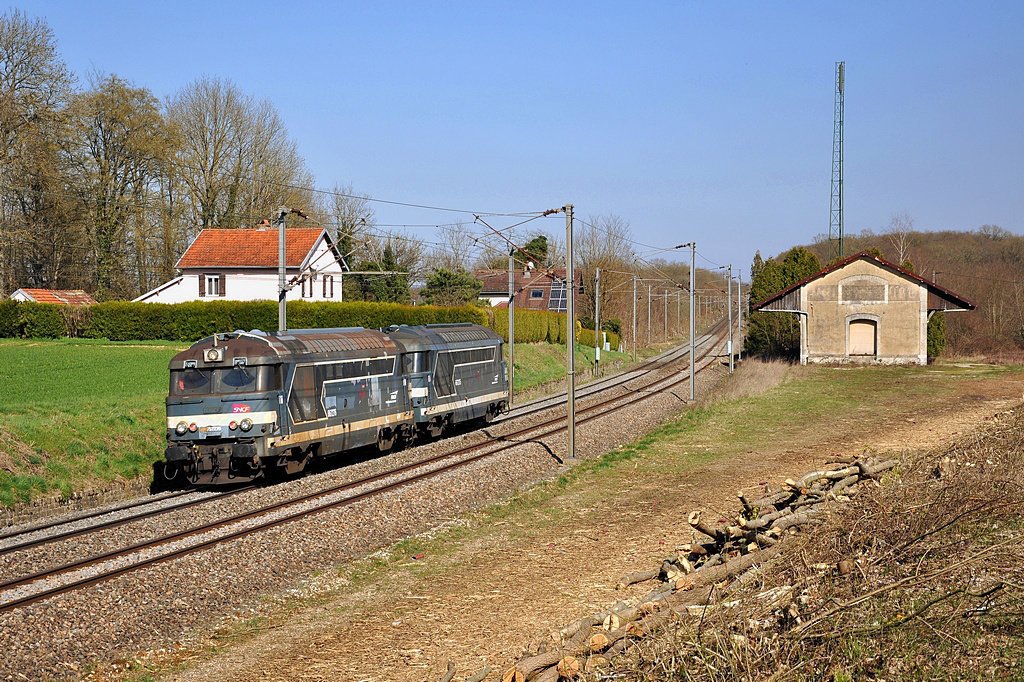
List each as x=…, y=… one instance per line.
x=196, y=381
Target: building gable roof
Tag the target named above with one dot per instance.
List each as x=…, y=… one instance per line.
x=251, y=248
x=59, y=296
x=942, y=293
x=495, y=282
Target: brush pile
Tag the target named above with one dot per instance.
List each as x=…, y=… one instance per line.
x=721, y=559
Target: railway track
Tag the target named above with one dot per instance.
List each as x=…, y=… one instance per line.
x=19, y=592
x=12, y=541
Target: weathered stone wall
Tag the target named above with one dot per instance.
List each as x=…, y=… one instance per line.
x=865, y=291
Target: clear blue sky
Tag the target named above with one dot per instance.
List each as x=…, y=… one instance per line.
x=707, y=121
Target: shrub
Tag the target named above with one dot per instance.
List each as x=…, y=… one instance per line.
x=586, y=338
x=41, y=320
x=9, y=325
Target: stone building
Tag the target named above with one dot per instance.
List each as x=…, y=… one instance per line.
x=864, y=309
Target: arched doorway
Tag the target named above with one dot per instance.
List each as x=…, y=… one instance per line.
x=863, y=337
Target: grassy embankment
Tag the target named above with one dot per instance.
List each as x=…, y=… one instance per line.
x=764, y=409
x=81, y=413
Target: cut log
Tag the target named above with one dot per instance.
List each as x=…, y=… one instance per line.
x=634, y=578
x=549, y=675
x=798, y=519
x=450, y=674
x=480, y=674
x=697, y=524
x=568, y=667
x=513, y=675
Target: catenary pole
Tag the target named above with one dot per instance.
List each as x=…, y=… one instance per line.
x=648, y=315
x=570, y=328
x=666, y=316
x=282, y=290
x=511, y=325
x=693, y=310
x=597, y=322
x=739, y=315
x=634, y=318
x=728, y=303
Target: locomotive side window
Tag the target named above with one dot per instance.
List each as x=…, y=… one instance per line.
x=444, y=379
x=304, y=399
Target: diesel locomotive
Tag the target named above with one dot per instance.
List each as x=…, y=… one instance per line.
x=245, y=405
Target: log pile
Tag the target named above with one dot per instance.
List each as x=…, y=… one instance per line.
x=721, y=558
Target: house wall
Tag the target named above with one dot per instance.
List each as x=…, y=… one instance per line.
x=864, y=291
x=254, y=284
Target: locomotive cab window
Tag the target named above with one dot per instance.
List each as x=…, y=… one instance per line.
x=193, y=381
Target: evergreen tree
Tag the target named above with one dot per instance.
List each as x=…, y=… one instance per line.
x=777, y=333
x=451, y=287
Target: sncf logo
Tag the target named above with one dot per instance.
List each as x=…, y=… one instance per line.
x=240, y=407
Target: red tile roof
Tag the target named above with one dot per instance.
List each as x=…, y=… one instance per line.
x=248, y=248
x=496, y=281
x=59, y=296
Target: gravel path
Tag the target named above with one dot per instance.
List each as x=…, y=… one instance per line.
x=156, y=605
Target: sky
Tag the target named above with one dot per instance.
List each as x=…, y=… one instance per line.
x=704, y=121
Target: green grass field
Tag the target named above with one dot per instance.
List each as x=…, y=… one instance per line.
x=78, y=413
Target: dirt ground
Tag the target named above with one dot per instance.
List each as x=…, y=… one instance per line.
x=487, y=599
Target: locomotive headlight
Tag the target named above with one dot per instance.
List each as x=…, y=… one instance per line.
x=192, y=427
x=181, y=428
x=246, y=424
x=233, y=425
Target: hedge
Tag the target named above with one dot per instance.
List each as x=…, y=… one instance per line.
x=126, y=321
x=538, y=326
x=586, y=338
x=532, y=326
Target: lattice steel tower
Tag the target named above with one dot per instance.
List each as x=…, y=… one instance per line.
x=835, y=225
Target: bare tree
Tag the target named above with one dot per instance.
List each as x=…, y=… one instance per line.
x=235, y=155
x=900, y=233
x=121, y=145
x=603, y=242
x=35, y=85
x=454, y=248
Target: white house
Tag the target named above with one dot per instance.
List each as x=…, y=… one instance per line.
x=241, y=265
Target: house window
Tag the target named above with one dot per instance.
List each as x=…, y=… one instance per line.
x=536, y=293
x=328, y=286
x=557, y=300
x=307, y=286
x=211, y=285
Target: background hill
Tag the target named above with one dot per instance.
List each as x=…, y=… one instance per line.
x=985, y=265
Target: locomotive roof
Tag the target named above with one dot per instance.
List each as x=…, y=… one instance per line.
x=457, y=335
x=343, y=342
x=258, y=346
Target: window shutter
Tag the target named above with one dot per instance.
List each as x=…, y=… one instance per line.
x=202, y=285
x=326, y=277
x=332, y=286
x=223, y=282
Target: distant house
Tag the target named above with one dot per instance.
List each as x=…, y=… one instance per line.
x=864, y=309
x=58, y=296
x=536, y=288
x=241, y=265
